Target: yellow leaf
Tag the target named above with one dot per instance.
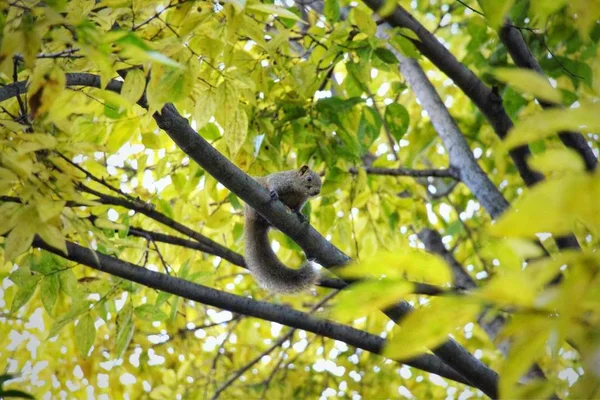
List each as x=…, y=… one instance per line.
x=168, y=84
x=557, y=160
x=45, y=87
x=409, y=263
x=48, y=209
x=107, y=224
x=526, y=249
x=7, y=181
x=540, y=272
x=52, y=235
x=553, y=206
x=13, y=126
x=429, y=326
x=85, y=333
x=548, y=122
x=236, y=131
x=508, y=290
x=277, y=10
x=21, y=237
x=364, y=297
x=528, y=81
x=524, y=350
x=9, y=216
x=228, y=98
x=495, y=11
x=122, y=131
x=206, y=105
x=134, y=85
x=587, y=14
x=542, y=9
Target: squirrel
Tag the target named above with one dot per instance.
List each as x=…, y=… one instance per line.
x=293, y=188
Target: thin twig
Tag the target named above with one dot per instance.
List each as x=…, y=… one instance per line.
x=275, y=345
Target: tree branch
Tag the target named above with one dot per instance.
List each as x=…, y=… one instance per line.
x=241, y=305
x=522, y=57
x=417, y=173
x=488, y=102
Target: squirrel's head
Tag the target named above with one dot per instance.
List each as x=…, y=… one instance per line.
x=310, y=182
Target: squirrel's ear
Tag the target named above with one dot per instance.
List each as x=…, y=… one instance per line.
x=303, y=169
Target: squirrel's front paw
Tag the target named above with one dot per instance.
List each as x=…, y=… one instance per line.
x=274, y=195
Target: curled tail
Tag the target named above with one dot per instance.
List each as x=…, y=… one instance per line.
x=269, y=272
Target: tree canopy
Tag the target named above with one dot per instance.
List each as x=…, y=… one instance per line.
x=457, y=227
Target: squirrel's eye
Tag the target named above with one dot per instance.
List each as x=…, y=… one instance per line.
x=309, y=179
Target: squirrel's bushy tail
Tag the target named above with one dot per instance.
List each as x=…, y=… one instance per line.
x=269, y=272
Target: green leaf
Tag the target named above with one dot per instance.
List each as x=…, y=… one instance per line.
x=528, y=81
x=85, y=333
x=162, y=298
x=49, y=292
x=386, y=55
x=369, y=127
x=548, y=122
x=210, y=132
x=174, y=308
x=124, y=329
x=430, y=325
x=396, y=119
x=134, y=85
x=331, y=10
x=68, y=282
x=23, y=277
x=405, y=46
x=77, y=308
x=277, y=10
x=23, y=295
x=150, y=312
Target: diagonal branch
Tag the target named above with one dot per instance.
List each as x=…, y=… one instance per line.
x=488, y=102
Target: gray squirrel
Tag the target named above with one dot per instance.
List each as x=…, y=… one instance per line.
x=293, y=188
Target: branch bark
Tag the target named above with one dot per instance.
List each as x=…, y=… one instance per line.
x=241, y=305
x=488, y=102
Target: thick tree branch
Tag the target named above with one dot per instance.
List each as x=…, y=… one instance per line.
x=241, y=305
x=459, y=152
x=488, y=102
